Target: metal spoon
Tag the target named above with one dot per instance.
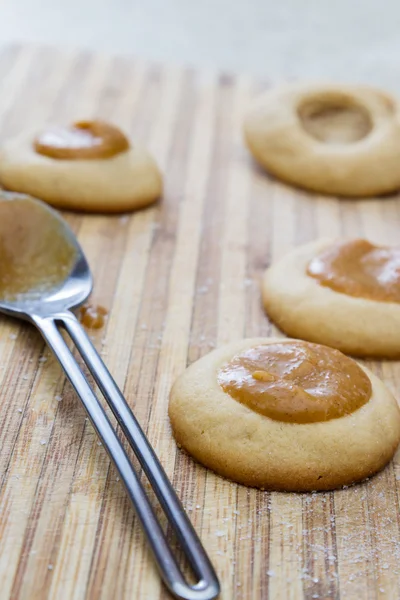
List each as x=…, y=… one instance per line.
x=48, y=307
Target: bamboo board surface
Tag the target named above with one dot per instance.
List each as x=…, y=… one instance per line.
x=179, y=279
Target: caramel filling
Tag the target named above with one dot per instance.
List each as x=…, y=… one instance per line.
x=92, y=317
x=360, y=269
x=335, y=119
x=296, y=382
x=82, y=140
x=35, y=255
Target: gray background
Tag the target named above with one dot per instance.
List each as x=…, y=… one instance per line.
x=311, y=39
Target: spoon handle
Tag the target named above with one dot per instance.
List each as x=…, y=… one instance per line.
x=207, y=586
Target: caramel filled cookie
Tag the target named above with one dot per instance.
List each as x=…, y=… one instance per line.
x=89, y=166
x=345, y=294
x=285, y=415
x=341, y=140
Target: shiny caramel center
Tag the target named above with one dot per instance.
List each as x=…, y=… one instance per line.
x=83, y=140
x=296, y=382
x=35, y=256
x=358, y=268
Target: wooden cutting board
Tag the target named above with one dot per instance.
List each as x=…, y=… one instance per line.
x=178, y=279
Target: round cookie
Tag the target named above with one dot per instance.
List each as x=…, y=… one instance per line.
x=241, y=444
x=341, y=140
x=126, y=180
x=303, y=308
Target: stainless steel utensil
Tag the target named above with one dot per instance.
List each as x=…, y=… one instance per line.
x=47, y=312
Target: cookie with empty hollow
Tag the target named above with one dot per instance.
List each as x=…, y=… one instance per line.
x=345, y=294
x=341, y=140
x=284, y=415
x=89, y=166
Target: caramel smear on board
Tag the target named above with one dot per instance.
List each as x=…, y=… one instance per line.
x=92, y=317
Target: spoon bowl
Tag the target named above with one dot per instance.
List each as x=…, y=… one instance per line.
x=70, y=291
